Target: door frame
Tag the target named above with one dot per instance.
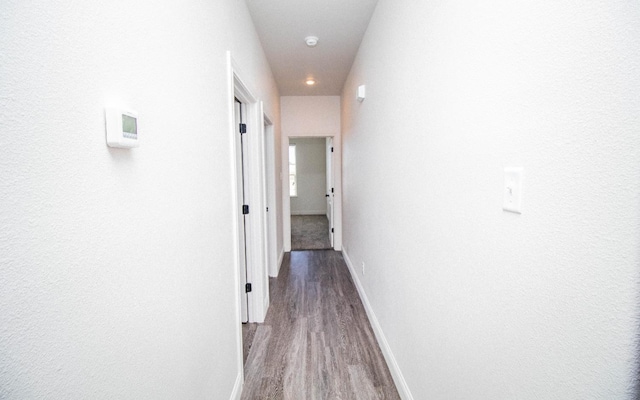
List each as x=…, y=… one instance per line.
x=337, y=184
x=270, y=197
x=329, y=184
x=240, y=156
x=257, y=274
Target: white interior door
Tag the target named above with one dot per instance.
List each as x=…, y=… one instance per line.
x=242, y=223
x=330, y=189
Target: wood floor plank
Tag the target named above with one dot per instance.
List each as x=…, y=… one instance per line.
x=361, y=383
x=256, y=359
x=316, y=341
x=248, y=333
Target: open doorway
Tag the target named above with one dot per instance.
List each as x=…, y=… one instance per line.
x=311, y=193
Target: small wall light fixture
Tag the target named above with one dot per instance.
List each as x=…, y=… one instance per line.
x=310, y=82
x=360, y=93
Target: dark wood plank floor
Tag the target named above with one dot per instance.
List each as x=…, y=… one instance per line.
x=316, y=342
x=248, y=333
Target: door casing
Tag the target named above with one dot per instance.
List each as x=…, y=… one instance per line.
x=337, y=195
x=257, y=274
x=329, y=185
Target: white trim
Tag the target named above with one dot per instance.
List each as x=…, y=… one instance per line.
x=280, y=259
x=237, y=388
x=235, y=209
x=337, y=182
x=270, y=196
x=256, y=269
x=257, y=200
x=398, y=378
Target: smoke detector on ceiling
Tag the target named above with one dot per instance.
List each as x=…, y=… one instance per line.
x=311, y=41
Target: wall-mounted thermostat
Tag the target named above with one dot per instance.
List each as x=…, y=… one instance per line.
x=122, y=127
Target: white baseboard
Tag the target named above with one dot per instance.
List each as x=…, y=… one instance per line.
x=266, y=301
x=321, y=212
x=396, y=374
x=237, y=388
x=280, y=258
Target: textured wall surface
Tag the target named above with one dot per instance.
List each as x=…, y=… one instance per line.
x=116, y=266
x=475, y=302
x=312, y=176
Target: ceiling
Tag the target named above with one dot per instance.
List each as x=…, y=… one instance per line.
x=283, y=25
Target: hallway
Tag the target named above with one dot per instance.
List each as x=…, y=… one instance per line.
x=485, y=176
x=316, y=342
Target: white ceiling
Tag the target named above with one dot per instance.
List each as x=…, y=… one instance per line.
x=282, y=26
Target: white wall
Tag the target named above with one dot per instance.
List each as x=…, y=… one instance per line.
x=312, y=116
x=304, y=116
x=311, y=170
x=475, y=302
x=117, y=265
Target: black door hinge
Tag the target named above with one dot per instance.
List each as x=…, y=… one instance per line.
x=243, y=128
x=331, y=230
x=331, y=190
x=332, y=149
x=247, y=288
x=267, y=209
x=245, y=209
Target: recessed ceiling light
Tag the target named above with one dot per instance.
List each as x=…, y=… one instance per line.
x=311, y=41
x=310, y=82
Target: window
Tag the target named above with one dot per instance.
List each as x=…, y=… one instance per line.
x=293, y=184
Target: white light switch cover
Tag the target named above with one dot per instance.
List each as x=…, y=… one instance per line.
x=513, y=190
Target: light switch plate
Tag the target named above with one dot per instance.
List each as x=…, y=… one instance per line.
x=513, y=189
x=361, y=93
